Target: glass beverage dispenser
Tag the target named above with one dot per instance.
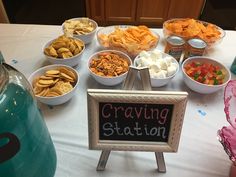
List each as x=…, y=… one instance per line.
x=26, y=148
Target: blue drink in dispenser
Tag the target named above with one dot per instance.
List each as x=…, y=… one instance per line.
x=26, y=148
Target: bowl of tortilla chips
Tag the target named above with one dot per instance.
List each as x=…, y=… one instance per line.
x=128, y=39
x=188, y=28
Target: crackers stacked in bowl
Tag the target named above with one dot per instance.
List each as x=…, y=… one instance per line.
x=54, y=82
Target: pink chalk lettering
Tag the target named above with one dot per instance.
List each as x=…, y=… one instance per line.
x=138, y=112
x=128, y=112
x=163, y=116
x=145, y=113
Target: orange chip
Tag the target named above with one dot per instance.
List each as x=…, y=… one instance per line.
x=190, y=28
x=132, y=40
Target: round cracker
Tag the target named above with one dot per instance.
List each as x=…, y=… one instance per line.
x=68, y=72
x=51, y=75
x=45, y=77
x=46, y=82
x=65, y=76
x=41, y=85
x=43, y=92
x=52, y=72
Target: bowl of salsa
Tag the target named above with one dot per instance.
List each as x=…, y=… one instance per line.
x=205, y=75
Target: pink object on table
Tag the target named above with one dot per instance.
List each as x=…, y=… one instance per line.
x=233, y=171
x=230, y=102
x=227, y=135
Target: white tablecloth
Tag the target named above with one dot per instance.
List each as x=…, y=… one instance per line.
x=199, y=155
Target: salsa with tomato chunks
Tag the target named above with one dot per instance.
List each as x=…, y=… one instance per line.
x=205, y=73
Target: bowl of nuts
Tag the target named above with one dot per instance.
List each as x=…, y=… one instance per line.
x=81, y=28
x=64, y=50
x=109, y=67
x=54, y=84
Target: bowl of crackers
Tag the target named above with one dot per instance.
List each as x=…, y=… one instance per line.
x=64, y=50
x=128, y=39
x=188, y=28
x=109, y=67
x=81, y=28
x=54, y=84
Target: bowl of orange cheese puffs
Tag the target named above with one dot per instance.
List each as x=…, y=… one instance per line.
x=188, y=28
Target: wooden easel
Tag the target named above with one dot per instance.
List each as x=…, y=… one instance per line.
x=128, y=85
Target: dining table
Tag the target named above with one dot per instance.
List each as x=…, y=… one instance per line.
x=200, y=154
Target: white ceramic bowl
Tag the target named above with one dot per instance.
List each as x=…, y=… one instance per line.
x=72, y=61
x=87, y=38
x=204, y=88
x=57, y=100
x=109, y=81
x=159, y=82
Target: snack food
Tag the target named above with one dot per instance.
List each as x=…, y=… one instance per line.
x=78, y=26
x=132, y=39
x=109, y=64
x=64, y=47
x=205, y=73
x=160, y=66
x=54, y=82
x=191, y=28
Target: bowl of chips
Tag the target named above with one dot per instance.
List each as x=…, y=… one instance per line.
x=109, y=67
x=188, y=28
x=128, y=39
x=64, y=50
x=81, y=28
x=54, y=84
x=205, y=75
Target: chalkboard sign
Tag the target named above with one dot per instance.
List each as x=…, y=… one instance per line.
x=135, y=120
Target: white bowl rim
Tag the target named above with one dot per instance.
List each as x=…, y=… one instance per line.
x=63, y=59
x=223, y=33
x=211, y=59
x=115, y=51
x=166, y=55
x=79, y=18
x=55, y=65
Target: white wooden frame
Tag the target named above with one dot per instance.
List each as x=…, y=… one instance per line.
x=178, y=99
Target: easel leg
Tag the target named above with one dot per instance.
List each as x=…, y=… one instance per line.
x=160, y=162
x=103, y=160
